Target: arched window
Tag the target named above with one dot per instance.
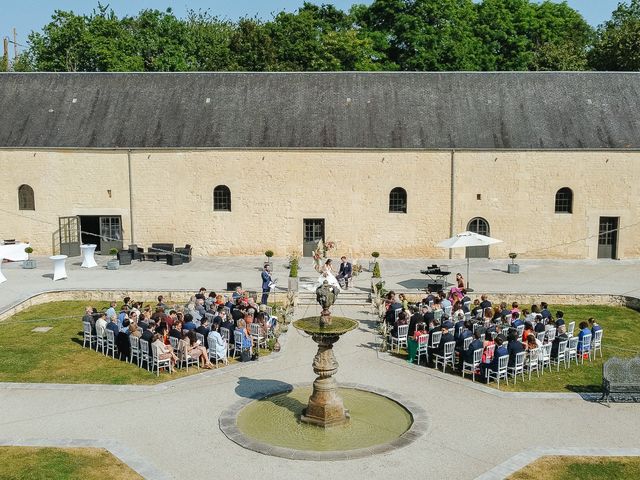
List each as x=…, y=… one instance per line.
x=398, y=200
x=564, y=200
x=26, y=200
x=481, y=226
x=222, y=199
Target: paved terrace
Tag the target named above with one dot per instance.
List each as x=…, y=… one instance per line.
x=462, y=441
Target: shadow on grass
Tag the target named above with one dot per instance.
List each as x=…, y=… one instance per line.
x=255, y=388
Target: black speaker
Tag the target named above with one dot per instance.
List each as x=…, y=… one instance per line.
x=174, y=259
x=435, y=287
x=231, y=286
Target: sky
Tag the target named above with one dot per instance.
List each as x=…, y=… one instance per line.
x=28, y=15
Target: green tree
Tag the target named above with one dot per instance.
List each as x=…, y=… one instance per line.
x=617, y=46
x=210, y=40
x=251, y=47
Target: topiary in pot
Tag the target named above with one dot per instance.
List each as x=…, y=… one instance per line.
x=114, y=263
x=513, y=267
x=376, y=270
x=375, y=254
x=29, y=263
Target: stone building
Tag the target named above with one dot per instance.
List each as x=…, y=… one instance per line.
x=238, y=163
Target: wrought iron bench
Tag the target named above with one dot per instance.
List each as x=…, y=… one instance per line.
x=621, y=380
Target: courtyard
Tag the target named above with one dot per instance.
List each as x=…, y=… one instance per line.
x=474, y=431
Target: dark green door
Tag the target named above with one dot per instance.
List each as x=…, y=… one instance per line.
x=481, y=226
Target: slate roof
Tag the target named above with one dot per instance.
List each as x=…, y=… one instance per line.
x=552, y=110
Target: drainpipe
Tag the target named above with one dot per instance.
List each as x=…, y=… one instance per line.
x=452, y=205
x=130, y=195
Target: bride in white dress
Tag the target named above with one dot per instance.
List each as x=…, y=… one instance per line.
x=327, y=273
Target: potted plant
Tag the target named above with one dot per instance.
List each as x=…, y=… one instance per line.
x=513, y=267
x=268, y=254
x=373, y=262
x=294, y=262
x=29, y=263
x=114, y=263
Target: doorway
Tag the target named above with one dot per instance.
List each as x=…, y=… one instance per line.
x=608, y=238
x=481, y=226
x=105, y=232
x=69, y=236
x=313, y=232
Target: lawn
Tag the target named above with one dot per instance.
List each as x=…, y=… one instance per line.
x=621, y=330
x=29, y=463
x=584, y=468
x=57, y=356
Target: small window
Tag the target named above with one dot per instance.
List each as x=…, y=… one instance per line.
x=26, y=199
x=398, y=200
x=564, y=200
x=222, y=199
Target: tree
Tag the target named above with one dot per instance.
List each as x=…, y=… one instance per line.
x=210, y=40
x=617, y=45
x=251, y=47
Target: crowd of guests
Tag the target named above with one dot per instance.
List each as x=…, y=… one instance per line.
x=497, y=329
x=214, y=316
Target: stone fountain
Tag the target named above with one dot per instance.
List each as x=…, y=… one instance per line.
x=325, y=407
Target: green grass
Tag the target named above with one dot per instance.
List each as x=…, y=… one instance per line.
x=583, y=468
x=27, y=463
x=621, y=330
x=58, y=357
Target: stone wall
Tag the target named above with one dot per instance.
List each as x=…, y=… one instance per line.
x=272, y=191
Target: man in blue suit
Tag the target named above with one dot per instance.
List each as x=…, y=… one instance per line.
x=345, y=272
x=266, y=284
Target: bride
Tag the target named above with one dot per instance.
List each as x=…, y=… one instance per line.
x=327, y=273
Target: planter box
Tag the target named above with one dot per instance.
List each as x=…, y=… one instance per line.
x=29, y=264
x=113, y=264
x=125, y=257
x=513, y=268
x=294, y=283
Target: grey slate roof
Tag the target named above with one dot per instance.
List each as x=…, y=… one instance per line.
x=306, y=110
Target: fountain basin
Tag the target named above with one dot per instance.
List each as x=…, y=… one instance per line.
x=312, y=326
x=381, y=421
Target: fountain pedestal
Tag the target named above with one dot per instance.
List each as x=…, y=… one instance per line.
x=325, y=407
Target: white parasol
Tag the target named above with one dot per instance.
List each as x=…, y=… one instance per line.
x=468, y=239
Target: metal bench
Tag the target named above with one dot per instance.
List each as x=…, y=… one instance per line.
x=621, y=380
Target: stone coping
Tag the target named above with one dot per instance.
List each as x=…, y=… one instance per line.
x=521, y=460
x=124, y=454
x=419, y=427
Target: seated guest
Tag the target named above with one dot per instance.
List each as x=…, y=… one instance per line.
x=484, y=303
x=465, y=300
x=500, y=351
x=515, y=320
x=427, y=313
x=402, y=320
x=202, y=292
x=403, y=301
x=444, y=301
x=163, y=351
x=430, y=298
x=594, y=326
x=176, y=330
x=539, y=324
x=487, y=343
x=515, y=308
x=514, y=347
x=528, y=330
x=217, y=343
x=457, y=312
x=504, y=311
x=191, y=346
x=161, y=303
x=415, y=319
x=134, y=331
x=561, y=335
x=487, y=315
x=460, y=325
x=393, y=305
x=158, y=315
x=559, y=318
x=148, y=334
x=465, y=332
x=237, y=294
x=476, y=344
x=211, y=299
x=544, y=310
x=88, y=317
x=204, y=330
x=583, y=347
x=189, y=324
x=532, y=342
x=447, y=336
x=171, y=318
x=113, y=326
x=534, y=311
x=246, y=341
x=101, y=325
x=412, y=341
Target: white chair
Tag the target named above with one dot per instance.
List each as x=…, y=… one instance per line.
x=213, y=354
x=269, y=310
x=551, y=334
x=184, y=359
x=570, y=328
x=518, y=367
x=501, y=372
x=87, y=335
x=437, y=314
x=467, y=316
x=540, y=336
x=237, y=343
x=508, y=318
x=144, y=353
x=467, y=306
x=396, y=312
x=157, y=363
x=401, y=339
x=520, y=330
x=423, y=343
x=572, y=350
x=490, y=350
x=224, y=333
x=472, y=367
x=596, y=343
x=134, y=346
x=448, y=310
x=466, y=342
x=561, y=358
x=200, y=337
x=111, y=343
x=544, y=358
x=434, y=339
x=585, y=347
x=175, y=343
x=447, y=356
x=258, y=337
x=101, y=342
x=533, y=363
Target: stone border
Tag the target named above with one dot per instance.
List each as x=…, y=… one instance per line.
x=419, y=427
x=126, y=455
x=521, y=460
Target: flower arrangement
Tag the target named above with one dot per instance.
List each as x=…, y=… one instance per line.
x=513, y=256
x=356, y=269
x=327, y=247
x=294, y=262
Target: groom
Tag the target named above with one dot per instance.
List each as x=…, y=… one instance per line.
x=345, y=272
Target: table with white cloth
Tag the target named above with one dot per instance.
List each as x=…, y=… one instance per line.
x=59, y=268
x=2, y=277
x=88, y=259
x=15, y=253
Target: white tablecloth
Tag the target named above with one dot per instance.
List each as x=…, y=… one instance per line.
x=15, y=252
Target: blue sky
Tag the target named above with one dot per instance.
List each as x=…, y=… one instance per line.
x=28, y=15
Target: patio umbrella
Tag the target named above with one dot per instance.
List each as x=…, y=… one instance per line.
x=468, y=239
